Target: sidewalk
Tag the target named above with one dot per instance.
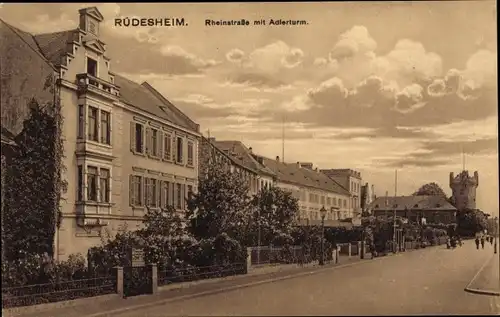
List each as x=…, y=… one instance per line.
x=487, y=280
x=180, y=291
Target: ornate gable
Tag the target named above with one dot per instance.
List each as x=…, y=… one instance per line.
x=93, y=12
x=95, y=45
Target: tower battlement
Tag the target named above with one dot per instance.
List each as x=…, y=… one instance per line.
x=463, y=188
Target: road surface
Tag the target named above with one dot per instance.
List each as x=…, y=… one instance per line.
x=429, y=281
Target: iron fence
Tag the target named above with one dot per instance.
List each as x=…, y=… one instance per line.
x=270, y=255
x=137, y=280
x=193, y=273
x=54, y=292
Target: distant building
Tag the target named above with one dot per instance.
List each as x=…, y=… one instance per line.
x=350, y=180
x=463, y=188
x=210, y=153
x=313, y=190
x=242, y=155
x=434, y=209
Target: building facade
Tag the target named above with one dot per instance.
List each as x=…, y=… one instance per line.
x=209, y=153
x=127, y=148
x=264, y=178
x=463, y=187
x=350, y=180
x=313, y=190
x=417, y=209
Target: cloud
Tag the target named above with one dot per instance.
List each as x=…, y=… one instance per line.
x=268, y=59
x=437, y=153
x=355, y=41
x=255, y=79
x=410, y=98
x=180, y=62
x=332, y=89
x=480, y=68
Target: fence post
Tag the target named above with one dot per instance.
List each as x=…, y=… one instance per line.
x=119, y=280
x=154, y=278
x=249, y=259
x=349, y=249
x=337, y=258
x=360, y=254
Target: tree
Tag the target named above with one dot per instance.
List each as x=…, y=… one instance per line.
x=274, y=212
x=471, y=221
x=34, y=185
x=430, y=189
x=222, y=205
x=164, y=237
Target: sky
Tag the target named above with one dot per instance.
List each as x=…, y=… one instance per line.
x=376, y=87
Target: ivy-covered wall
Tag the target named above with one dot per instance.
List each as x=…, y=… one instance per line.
x=31, y=111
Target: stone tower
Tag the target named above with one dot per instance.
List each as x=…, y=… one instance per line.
x=463, y=189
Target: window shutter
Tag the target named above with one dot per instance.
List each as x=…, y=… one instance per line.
x=145, y=191
x=131, y=195
x=158, y=193
x=161, y=135
x=148, y=141
x=132, y=137
x=184, y=196
x=174, y=148
x=174, y=196
x=162, y=194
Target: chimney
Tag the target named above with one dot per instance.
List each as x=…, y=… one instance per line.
x=298, y=164
x=316, y=169
x=277, y=159
x=307, y=165
x=250, y=150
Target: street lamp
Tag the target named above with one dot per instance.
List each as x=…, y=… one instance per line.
x=322, y=212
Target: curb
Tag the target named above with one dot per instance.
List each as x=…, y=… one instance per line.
x=224, y=289
x=480, y=291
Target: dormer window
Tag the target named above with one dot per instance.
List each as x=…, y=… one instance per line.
x=91, y=67
x=92, y=28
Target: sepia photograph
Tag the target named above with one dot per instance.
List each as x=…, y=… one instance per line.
x=249, y=159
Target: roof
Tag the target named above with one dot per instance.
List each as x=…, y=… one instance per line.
x=292, y=173
x=233, y=159
x=243, y=155
x=141, y=97
x=412, y=203
x=328, y=223
x=52, y=47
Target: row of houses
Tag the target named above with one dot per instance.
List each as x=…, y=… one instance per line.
x=126, y=146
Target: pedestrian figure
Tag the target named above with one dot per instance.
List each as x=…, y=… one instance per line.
x=482, y=242
x=477, y=243
x=491, y=240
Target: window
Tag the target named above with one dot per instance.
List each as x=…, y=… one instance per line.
x=91, y=67
x=311, y=198
x=136, y=196
x=154, y=142
x=80, y=183
x=190, y=160
x=167, y=147
x=151, y=192
x=328, y=201
x=154, y=192
x=180, y=145
x=81, y=122
x=179, y=196
x=165, y=194
x=93, y=132
x=335, y=201
x=92, y=183
x=139, y=141
x=323, y=200
x=105, y=127
x=104, y=185
x=345, y=203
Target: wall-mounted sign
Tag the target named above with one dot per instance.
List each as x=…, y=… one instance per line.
x=138, y=257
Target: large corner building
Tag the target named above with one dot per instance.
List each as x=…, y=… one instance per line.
x=125, y=145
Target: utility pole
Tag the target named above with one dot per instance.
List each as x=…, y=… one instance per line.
x=283, y=140
x=394, y=220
